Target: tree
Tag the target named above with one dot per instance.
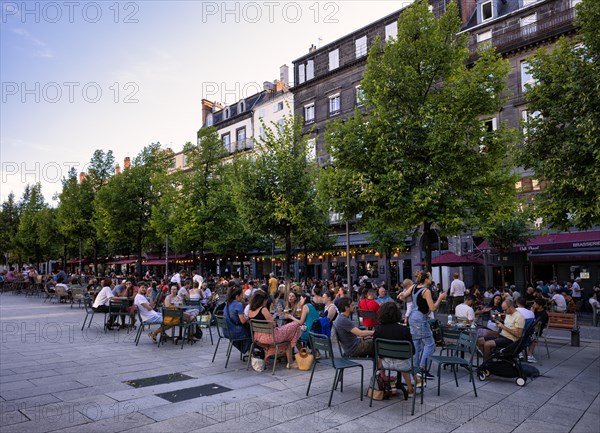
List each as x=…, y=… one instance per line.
x=385, y=238
x=9, y=223
x=562, y=143
x=29, y=247
x=186, y=200
x=124, y=205
x=421, y=153
x=275, y=191
x=506, y=232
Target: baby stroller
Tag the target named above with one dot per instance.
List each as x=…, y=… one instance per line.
x=505, y=362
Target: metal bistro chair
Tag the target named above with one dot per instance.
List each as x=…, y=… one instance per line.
x=142, y=325
x=395, y=349
x=466, y=344
x=222, y=331
x=76, y=296
x=87, y=304
x=538, y=336
x=173, y=317
x=265, y=327
x=117, y=308
x=366, y=314
x=322, y=343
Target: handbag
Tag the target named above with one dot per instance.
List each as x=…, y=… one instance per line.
x=304, y=359
x=257, y=364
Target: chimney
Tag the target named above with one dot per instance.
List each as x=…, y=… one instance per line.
x=467, y=7
x=280, y=86
x=267, y=85
x=81, y=177
x=284, y=74
x=118, y=169
x=312, y=48
x=126, y=163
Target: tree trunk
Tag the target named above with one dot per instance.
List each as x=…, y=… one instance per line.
x=201, y=259
x=305, y=262
x=288, y=254
x=427, y=244
x=96, y=258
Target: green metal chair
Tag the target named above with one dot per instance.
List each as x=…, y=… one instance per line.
x=142, y=325
x=222, y=331
x=395, y=349
x=322, y=343
x=117, y=308
x=466, y=344
x=265, y=327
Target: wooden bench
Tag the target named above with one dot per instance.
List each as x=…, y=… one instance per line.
x=565, y=321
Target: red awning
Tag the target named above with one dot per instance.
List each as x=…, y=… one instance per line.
x=122, y=262
x=155, y=262
x=572, y=256
x=451, y=259
x=555, y=241
x=76, y=261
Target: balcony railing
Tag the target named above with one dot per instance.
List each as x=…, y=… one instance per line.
x=547, y=25
x=241, y=145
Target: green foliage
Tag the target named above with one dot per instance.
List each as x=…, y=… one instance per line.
x=9, y=223
x=275, y=190
x=421, y=155
x=513, y=229
x=123, y=207
x=562, y=144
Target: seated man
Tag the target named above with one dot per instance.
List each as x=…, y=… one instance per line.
x=539, y=311
x=369, y=304
x=147, y=312
x=510, y=331
x=102, y=300
x=522, y=308
x=355, y=342
x=383, y=296
x=465, y=310
x=559, y=302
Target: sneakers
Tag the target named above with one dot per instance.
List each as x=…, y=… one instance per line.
x=425, y=374
x=531, y=359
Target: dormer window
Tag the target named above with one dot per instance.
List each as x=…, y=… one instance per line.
x=487, y=11
x=209, y=120
x=242, y=107
x=227, y=113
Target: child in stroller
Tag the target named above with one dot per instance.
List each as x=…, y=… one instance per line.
x=505, y=362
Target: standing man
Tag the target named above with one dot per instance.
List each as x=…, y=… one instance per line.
x=273, y=283
x=577, y=292
x=176, y=278
x=197, y=278
x=457, y=291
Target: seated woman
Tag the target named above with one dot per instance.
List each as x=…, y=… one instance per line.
x=307, y=317
x=288, y=332
x=236, y=320
x=330, y=311
x=173, y=301
x=389, y=329
x=292, y=303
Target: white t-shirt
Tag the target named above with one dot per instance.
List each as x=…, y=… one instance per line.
x=457, y=288
x=198, y=279
x=559, y=300
x=527, y=314
x=594, y=302
x=103, y=297
x=206, y=296
x=182, y=292
x=464, y=310
x=576, y=289
x=146, y=314
x=176, y=278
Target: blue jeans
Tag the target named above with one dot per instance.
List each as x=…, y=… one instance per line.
x=422, y=336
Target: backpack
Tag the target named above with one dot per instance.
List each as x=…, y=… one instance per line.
x=322, y=326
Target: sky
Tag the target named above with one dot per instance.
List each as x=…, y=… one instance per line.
x=79, y=76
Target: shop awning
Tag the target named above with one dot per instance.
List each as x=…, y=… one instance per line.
x=122, y=262
x=451, y=259
x=573, y=256
x=556, y=241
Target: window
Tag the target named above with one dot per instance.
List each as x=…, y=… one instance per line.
x=227, y=113
x=241, y=106
x=484, y=36
x=528, y=23
x=184, y=160
x=311, y=152
x=301, y=74
x=261, y=113
x=310, y=70
x=360, y=96
x=241, y=138
x=535, y=184
x=334, y=59
x=360, y=46
x=491, y=124
x=309, y=113
x=226, y=142
x=526, y=77
x=529, y=2
x=279, y=106
x=391, y=31
x=519, y=186
x=261, y=132
x=575, y=3
x=487, y=11
x=334, y=104
x=209, y=120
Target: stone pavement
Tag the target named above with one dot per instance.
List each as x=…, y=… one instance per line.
x=54, y=377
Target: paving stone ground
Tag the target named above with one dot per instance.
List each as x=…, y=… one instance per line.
x=54, y=377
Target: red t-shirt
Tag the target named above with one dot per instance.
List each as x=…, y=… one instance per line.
x=369, y=305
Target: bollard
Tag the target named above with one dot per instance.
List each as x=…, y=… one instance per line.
x=575, y=337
